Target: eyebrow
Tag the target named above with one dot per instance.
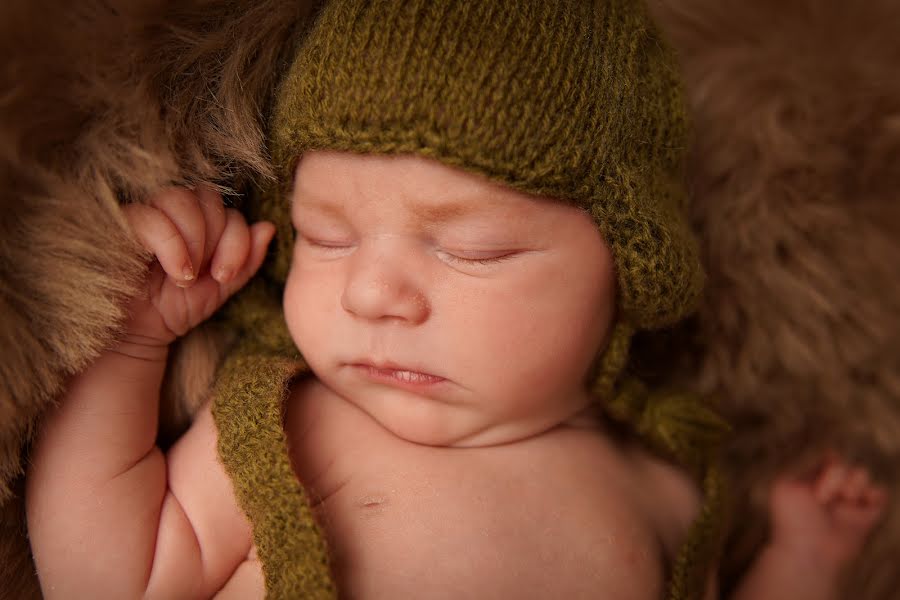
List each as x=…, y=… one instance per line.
x=322, y=207
x=446, y=211
x=440, y=212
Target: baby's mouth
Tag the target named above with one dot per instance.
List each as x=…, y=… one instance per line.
x=397, y=375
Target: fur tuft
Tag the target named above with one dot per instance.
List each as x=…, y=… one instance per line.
x=111, y=101
x=105, y=101
x=796, y=167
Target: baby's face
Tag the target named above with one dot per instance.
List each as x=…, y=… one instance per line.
x=454, y=311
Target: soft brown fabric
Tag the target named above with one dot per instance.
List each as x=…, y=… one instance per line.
x=103, y=101
x=796, y=177
x=796, y=172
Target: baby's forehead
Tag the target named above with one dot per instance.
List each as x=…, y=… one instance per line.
x=431, y=190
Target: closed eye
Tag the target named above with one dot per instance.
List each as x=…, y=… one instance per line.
x=325, y=244
x=322, y=245
x=476, y=258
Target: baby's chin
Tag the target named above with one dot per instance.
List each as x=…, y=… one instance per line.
x=431, y=423
x=425, y=421
x=459, y=435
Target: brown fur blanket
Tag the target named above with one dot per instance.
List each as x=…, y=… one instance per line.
x=795, y=175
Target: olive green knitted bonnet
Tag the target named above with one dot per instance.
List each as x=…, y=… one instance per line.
x=577, y=101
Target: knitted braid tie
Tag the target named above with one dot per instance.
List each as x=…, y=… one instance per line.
x=248, y=410
x=253, y=447
x=704, y=542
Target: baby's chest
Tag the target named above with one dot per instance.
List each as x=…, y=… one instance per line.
x=405, y=520
x=452, y=533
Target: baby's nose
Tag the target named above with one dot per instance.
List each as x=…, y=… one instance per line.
x=385, y=285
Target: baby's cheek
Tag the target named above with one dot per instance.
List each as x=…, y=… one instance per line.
x=512, y=347
x=544, y=345
x=300, y=312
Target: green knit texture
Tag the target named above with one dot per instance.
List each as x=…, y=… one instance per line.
x=704, y=543
x=289, y=543
x=248, y=410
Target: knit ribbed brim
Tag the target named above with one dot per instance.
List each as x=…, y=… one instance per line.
x=577, y=101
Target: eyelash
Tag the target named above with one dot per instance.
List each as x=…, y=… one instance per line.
x=319, y=244
x=477, y=261
x=448, y=256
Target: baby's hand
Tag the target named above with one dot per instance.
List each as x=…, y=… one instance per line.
x=826, y=519
x=204, y=253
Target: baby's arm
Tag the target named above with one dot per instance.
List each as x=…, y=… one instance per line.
x=818, y=529
x=108, y=514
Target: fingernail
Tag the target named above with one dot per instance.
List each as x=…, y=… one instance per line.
x=187, y=272
x=223, y=274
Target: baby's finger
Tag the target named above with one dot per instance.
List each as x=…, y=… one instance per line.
x=182, y=207
x=260, y=235
x=231, y=251
x=159, y=236
x=214, y=217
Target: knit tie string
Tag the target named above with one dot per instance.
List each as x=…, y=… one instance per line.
x=679, y=424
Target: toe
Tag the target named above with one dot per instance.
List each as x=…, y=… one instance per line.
x=831, y=481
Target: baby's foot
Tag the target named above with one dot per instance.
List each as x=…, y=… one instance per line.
x=827, y=518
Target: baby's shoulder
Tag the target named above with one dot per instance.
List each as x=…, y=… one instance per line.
x=621, y=474
x=669, y=496
x=617, y=502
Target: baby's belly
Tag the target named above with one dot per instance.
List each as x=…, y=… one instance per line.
x=483, y=524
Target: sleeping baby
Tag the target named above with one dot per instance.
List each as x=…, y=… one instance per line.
x=477, y=205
